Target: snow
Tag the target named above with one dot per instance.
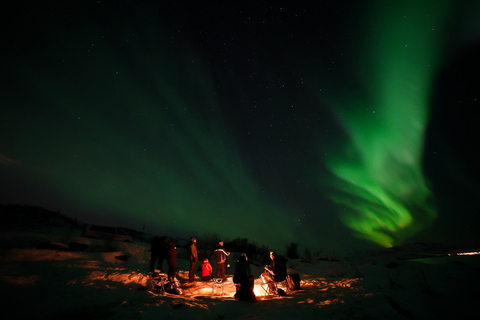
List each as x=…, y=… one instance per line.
x=40, y=278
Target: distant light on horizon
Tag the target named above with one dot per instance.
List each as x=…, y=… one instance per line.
x=473, y=253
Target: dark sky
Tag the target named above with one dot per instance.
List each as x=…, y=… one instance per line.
x=332, y=124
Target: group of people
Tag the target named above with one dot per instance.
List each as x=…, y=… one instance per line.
x=242, y=278
x=160, y=251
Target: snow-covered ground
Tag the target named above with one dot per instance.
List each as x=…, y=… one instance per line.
x=46, y=282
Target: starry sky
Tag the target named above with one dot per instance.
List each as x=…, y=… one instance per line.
x=332, y=124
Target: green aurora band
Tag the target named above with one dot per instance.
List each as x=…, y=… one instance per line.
x=153, y=147
x=381, y=190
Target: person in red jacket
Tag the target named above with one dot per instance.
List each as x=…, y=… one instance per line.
x=206, y=270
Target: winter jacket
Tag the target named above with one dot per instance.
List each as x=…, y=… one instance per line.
x=159, y=247
x=280, y=268
x=206, y=269
x=192, y=249
x=242, y=268
x=221, y=255
x=172, y=252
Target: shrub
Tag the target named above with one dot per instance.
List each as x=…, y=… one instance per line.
x=292, y=251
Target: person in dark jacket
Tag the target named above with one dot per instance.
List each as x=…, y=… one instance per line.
x=244, y=281
x=221, y=257
x=172, y=261
x=157, y=251
x=242, y=269
x=193, y=255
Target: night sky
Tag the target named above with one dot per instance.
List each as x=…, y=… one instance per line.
x=332, y=124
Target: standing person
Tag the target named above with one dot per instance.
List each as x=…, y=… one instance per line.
x=207, y=270
x=157, y=251
x=172, y=261
x=192, y=250
x=221, y=256
x=242, y=269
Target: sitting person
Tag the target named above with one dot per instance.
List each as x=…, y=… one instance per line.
x=243, y=279
x=276, y=272
x=206, y=270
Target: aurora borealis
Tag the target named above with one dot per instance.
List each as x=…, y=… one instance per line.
x=381, y=168
x=316, y=124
